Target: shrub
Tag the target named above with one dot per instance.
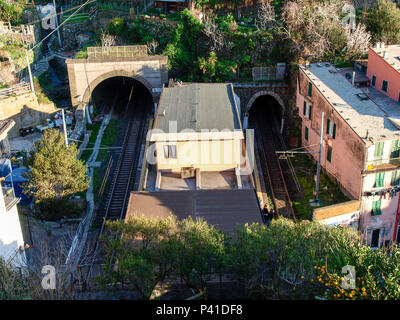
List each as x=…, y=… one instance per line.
x=117, y=26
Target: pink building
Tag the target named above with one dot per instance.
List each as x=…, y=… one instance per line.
x=360, y=146
x=384, y=69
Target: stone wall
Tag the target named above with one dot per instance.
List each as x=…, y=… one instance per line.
x=25, y=110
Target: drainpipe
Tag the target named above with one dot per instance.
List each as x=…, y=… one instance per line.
x=397, y=220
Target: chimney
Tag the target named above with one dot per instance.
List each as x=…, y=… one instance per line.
x=353, y=78
x=385, y=54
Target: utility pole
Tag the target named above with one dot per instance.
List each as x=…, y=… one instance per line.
x=29, y=71
x=58, y=29
x=65, y=127
x=319, y=157
x=293, y=151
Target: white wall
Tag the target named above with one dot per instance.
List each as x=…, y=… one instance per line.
x=11, y=237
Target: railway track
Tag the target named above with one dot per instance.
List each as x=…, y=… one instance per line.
x=279, y=192
x=118, y=195
x=125, y=172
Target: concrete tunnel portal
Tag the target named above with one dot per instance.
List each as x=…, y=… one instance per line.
x=121, y=91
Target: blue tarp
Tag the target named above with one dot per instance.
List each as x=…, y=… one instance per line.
x=18, y=179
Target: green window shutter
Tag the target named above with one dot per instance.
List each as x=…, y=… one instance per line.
x=305, y=108
x=395, y=178
x=380, y=180
x=385, y=85
x=376, y=208
x=374, y=80
x=334, y=131
x=379, y=149
x=395, y=149
x=306, y=134
x=310, y=113
x=310, y=89
x=329, y=154
x=328, y=123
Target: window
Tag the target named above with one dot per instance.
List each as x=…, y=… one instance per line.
x=375, y=238
x=399, y=98
x=310, y=89
x=379, y=149
x=307, y=110
x=376, y=208
x=395, y=178
x=373, y=81
x=306, y=133
x=329, y=154
x=385, y=85
x=380, y=180
x=395, y=149
x=331, y=128
x=170, y=151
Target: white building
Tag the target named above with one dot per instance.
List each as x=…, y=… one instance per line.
x=11, y=237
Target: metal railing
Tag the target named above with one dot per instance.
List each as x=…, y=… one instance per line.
x=264, y=73
x=116, y=52
x=17, y=89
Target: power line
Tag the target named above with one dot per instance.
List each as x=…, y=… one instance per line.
x=57, y=14
x=59, y=26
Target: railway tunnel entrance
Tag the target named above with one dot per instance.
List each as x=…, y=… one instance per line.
x=131, y=105
x=265, y=117
x=124, y=95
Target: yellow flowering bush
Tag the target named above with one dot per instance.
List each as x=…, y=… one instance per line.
x=331, y=283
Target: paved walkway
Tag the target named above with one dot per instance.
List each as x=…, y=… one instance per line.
x=80, y=238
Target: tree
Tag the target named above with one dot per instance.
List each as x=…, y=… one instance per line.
x=117, y=26
x=10, y=12
x=216, y=37
x=183, y=48
x=144, y=251
x=107, y=40
x=265, y=16
x=200, y=252
x=358, y=41
x=384, y=22
x=54, y=170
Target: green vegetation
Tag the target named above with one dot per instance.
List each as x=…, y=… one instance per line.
x=55, y=173
x=117, y=26
x=11, y=12
x=384, y=22
x=330, y=192
x=77, y=17
x=286, y=260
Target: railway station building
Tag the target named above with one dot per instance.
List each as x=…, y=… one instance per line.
x=197, y=131
x=201, y=168
x=360, y=149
